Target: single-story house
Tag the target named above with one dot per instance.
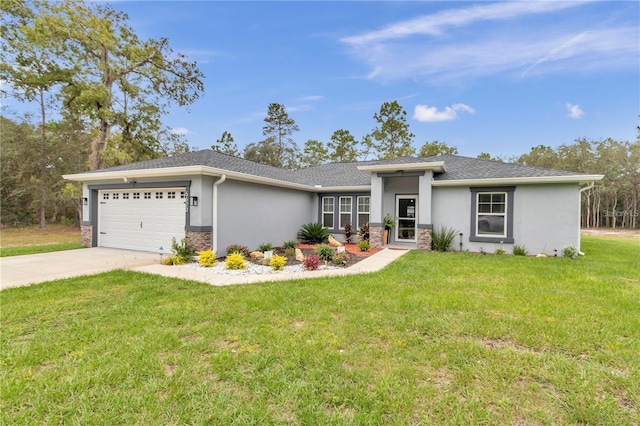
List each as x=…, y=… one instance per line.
x=214, y=200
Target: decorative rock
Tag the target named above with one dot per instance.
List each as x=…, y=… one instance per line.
x=333, y=242
x=256, y=255
x=299, y=255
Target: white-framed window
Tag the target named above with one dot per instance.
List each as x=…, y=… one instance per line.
x=105, y=196
x=158, y=195
x=125, y=195
x=182, y=194
x=171, y=194
x=491, y=214
x=136, y=195
x=116, y=195
x=363, y=210
x=328, y=208
x=147, y=195
x=345, y=211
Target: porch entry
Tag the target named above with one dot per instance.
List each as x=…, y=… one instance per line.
x=406, y=218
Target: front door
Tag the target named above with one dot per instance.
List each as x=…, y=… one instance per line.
x=407, y=218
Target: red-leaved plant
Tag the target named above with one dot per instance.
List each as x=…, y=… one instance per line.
x=311, y=262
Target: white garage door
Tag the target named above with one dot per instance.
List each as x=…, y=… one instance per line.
x=141, y=219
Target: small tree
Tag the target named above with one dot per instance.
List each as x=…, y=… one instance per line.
x=392, y=138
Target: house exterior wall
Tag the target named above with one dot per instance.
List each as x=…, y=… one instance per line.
x=397, y=186
x=251, y=214
x=545, y=217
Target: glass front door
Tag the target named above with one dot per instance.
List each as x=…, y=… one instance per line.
x=407, y=217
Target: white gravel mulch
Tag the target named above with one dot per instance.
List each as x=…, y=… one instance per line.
x=253, y=269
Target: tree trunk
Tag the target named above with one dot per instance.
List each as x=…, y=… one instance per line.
x=43, y=162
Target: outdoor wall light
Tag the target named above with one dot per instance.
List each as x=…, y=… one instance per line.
x=85, y=201
x=194, y=201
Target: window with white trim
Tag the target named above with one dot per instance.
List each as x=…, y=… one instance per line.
x=147, y=195
x=125, y=195
x=116, y=195
x=171, y=194
x=159, y=195
x=345, y=211
x=363, y=210
x=105, y=196
x=491, y=217
x=328, y=206
x=136, y=195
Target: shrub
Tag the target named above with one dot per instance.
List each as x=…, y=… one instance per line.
x=324, y=252
x=265, y=247
x=289, y=252
x=207, y=258
x=277, y=262
x=570, y=252
x=363, y=232
x=519, y=250
x=442, y=238
x=237, y=248
x=364, y=245
x=235, y=261
x=348, y=233
x=173, y=260
x=183, y=251
x=313, y=233
x=290, y=244
x=340, y=258
x=311, y=262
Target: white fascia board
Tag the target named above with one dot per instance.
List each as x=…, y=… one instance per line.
x=519, y=180
x=437, y=166
x=362, y=188
x=128, y=175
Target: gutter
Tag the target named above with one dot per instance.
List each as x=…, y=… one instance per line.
x=585, y=188
x=214, y=218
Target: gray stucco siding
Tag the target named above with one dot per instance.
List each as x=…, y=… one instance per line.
x=545, y=217
x=251, y=214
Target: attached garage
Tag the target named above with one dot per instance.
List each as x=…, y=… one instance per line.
x=144, y=219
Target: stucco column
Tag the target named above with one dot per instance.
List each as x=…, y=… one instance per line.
x=377, y=188
x=424, y=198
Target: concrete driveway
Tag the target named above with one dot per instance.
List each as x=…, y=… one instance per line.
x=17, y=271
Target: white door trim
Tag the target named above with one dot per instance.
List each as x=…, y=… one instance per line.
x=405, y=220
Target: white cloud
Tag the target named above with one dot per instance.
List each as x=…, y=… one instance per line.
x=458, y=44
x=574, y=111
x=180, y=131
x=431, y=114
x=312, y=98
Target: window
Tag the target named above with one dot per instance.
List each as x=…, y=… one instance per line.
x=125, y=195
x=171, y=194
x=105, y=196
x=363, y=210
x=116, y=195
x=147, y=195
x=492, y=214
x=136, y=195
x=328, y=205
x=182, y=194
x=158, y=195
x=345, y=211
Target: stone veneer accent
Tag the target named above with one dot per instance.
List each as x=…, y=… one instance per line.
x=86, y=235
x=199, y=241
x=376, y=236
x=424, y=239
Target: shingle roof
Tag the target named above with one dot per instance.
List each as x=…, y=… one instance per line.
x=345, y=174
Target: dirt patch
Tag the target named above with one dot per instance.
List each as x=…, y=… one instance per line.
x=34, y=235
x=633, y=234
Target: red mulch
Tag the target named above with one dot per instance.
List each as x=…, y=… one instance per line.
x=349, y=248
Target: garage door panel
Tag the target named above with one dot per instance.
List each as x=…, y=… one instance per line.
x=141, y=219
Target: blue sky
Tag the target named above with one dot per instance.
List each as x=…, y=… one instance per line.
x=498, y=77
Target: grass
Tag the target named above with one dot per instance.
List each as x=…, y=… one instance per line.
x=444, y=338
x=33, y=239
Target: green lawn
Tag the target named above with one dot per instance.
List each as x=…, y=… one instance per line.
x=443, y=338
x=38, y=248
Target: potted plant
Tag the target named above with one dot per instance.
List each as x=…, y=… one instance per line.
x=389, y=223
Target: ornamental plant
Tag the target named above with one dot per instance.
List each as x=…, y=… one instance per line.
x=340, y=258
x=364, y=245
x=520, y=250
x=183, y=252
x=363, y=232
x=324, y=252
x=207, y=258
x=311, y=262
x=235, y=261
x=277, y=262
x=237, y=248
x=442, y=238
x=265, y=247
x=348, y=233
x=289, y=252
x=290, y=244
x=313, y=233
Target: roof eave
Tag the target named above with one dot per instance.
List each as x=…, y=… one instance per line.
x=128, y=175
x=436, y=166
x=354, y=188
x=519, y=180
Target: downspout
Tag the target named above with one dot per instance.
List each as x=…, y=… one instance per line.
x=214, y=219
x=589, y=186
